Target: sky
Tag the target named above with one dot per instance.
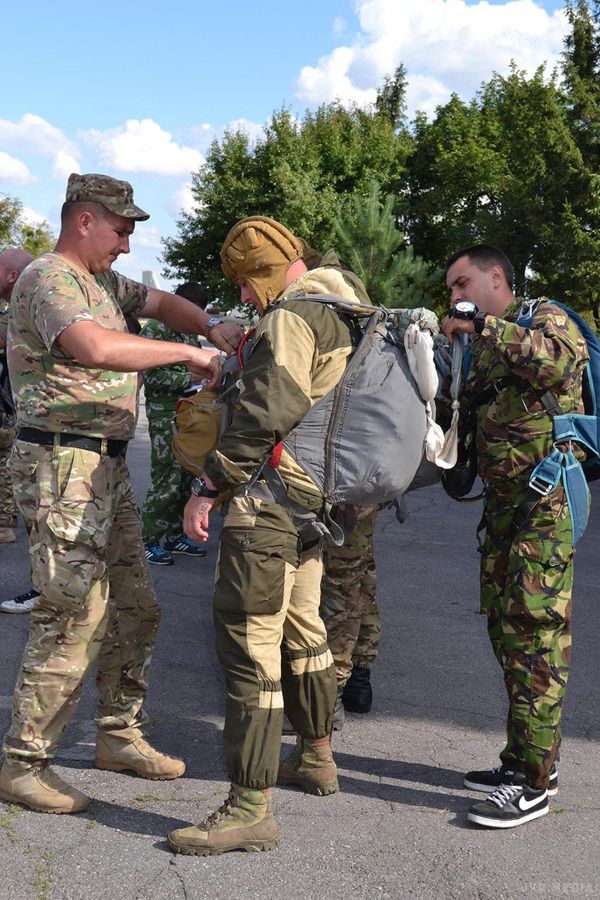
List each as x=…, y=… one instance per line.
x=138, y=90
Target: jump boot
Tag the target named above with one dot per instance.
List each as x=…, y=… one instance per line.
x=125, y=755
x=311, y=767
x=37, y=786
x=244, y=822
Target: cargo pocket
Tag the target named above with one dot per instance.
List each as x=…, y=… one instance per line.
x=539, y=580
x=252, y=572
x=80, y=511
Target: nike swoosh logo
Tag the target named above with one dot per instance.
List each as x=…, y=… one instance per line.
x=527, y=804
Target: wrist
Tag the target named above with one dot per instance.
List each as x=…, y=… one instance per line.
x=200, y=488
x=211, y=323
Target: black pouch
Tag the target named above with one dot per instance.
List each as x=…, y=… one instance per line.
x=458, y=482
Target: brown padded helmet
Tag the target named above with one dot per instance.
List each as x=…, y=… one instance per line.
x=260, y=250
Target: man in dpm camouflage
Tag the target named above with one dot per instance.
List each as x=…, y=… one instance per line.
x=527, y=557
x=270, y=638
x=73, y=368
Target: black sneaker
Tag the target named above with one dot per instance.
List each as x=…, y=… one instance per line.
x=184, y=545
x=512, y=804
x=156, y=556
x=490, y=779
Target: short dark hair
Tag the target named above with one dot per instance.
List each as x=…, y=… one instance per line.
x=194, y=292
x=72, y=208
x=484, y=256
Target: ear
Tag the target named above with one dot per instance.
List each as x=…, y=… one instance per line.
x=85, y=220
x=12, y=277
x=497, y=277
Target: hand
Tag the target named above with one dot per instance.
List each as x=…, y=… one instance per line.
x=195, y=518
x=206, y=366
x=450, y=325
x=226, y=336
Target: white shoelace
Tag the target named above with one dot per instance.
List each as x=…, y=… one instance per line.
x=505, y=794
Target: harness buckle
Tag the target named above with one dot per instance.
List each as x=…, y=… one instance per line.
x=541, y=486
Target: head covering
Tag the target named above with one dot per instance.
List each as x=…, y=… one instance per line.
x=260, y=251
x=115, y=195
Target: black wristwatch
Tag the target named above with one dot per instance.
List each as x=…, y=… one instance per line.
x=200, y=489
x=464, y=309
x=479, y=321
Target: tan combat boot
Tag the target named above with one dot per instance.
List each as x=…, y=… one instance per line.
x=119, y=755
x=7, y=536
x=244, y=822
x=38, y=787
x=311, y=766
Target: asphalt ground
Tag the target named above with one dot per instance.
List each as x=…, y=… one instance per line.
x=398, y=827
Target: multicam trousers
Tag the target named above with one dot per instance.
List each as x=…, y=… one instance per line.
x=97, y=599
x=170, y=484
x=270, y=640
x=8, y=509
x=348, y=604
x=526, y=584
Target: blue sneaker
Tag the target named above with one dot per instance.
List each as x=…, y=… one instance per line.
x=185, y=546
x=156, y=556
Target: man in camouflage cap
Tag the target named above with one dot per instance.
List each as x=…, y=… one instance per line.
x=73, y=367
x=270, y=639
x=527, y=555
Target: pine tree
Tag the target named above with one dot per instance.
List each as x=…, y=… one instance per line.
x=368, y=239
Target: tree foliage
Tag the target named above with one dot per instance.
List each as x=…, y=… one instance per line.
x=16, y=232
x=518, y=166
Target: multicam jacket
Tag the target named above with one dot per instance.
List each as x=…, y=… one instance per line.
x=300, y=352
x=53, y=391
x=513, y=428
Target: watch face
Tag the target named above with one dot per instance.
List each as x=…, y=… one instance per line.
x=466, y=307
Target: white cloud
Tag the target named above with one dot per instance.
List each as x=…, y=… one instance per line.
x=446, y=45
x=36, y=136
x=141, y=145
x=339, y=25
x=32, y=217
x=14, y=170
x=182, y=201
x=203, y=135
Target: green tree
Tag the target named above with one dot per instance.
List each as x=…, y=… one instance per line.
x=299, y=172
x=16, y=232
x=368, y=239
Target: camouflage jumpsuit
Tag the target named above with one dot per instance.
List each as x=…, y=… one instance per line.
x=97, y=600
x=526, y=572
x=169, y=490
x=348, y=603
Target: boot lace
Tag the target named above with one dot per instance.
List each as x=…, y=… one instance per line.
x=223, y=811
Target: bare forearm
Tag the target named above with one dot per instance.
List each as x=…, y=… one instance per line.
x=176, y=312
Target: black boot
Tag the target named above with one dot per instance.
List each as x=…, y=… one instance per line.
x=357, y=696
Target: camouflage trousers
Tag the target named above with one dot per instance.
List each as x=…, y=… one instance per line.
x=97, y=600
x=8, y=508
x=170, y=484
x=271, y=642
x=526, y=585
x=348, y=605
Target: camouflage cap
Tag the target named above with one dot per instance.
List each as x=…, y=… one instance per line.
x=115, y=195
x=260, y=250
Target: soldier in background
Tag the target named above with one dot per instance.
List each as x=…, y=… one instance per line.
x=169, y=489
x=12, y=263
x=349, y=610
x=73, y=367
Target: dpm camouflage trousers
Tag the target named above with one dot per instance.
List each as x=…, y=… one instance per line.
x=271, y=641
x=348, y=603
x=97, y=600
x=170, y=485
x=526, y=585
